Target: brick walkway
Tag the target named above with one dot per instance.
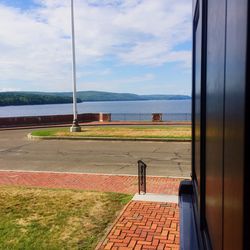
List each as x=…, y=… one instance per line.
x=145, y=225
x=104, y=183
x=142, y=225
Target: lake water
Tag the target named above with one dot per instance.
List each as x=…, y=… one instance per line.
x=177, y=107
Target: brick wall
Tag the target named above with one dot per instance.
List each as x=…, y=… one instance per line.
x=46, y=120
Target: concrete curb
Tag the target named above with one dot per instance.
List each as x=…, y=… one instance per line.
x=32, y=137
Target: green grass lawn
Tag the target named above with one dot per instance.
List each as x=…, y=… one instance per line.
x=34, y=218
x=165, y=132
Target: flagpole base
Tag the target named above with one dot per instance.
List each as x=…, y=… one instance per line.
x=75, y=127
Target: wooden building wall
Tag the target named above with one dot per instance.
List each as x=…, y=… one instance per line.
x=220, y=122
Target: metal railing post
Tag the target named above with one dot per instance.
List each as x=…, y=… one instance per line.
x=142, y=185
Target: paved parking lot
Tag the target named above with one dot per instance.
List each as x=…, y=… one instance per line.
x=163, y=158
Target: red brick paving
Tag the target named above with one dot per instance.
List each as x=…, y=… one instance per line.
x=104, y=183
x=145, y=225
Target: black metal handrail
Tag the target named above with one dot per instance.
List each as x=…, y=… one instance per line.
x=142, y=184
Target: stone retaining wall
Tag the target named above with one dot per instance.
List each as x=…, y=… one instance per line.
x=60, y=119
x=49, y=120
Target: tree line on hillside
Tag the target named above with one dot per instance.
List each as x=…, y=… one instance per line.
x=13, y=99
x=95, y=96
x=33, y=98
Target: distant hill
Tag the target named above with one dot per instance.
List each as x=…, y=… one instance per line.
x=22, y=98
x=32, y=98
x=165, y=97
x=95, y=96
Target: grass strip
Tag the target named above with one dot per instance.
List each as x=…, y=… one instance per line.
x=132, y=132
x=36, y=218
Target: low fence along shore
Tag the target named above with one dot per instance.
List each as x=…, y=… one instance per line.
x=92, y=117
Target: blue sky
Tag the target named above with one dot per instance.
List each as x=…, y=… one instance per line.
x=23, y=4
x=137, y=46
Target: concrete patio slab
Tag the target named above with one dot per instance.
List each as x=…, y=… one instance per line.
x=156, y=198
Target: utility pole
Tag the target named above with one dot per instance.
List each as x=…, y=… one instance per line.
x=75, y=126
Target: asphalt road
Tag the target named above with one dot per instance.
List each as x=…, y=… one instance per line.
x=109, y=157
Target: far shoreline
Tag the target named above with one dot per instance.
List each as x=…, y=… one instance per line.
x=122, y=108
x=140, y=100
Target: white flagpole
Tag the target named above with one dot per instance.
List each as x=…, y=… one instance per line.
x=75, y=126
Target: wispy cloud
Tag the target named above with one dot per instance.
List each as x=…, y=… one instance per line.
x=8, y=89
x=35, y=44
x=117, y=84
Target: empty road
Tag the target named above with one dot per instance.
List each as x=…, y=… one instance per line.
x=162, y=158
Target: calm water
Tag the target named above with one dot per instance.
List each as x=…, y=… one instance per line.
x=128, y=107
